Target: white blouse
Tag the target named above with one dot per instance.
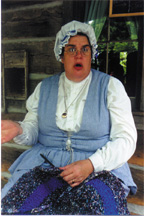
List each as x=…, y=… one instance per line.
x=73, y=95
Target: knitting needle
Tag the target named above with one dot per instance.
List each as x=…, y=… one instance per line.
x=46, y=160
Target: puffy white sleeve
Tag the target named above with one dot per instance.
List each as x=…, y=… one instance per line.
x=30, y=122
x=123, y=134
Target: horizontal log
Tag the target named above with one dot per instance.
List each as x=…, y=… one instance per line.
x=16, y=106
x=34, y=22
x=28, y=39
x=12, y=116
x=9, y=6
x=41, y=58
x=17, y=58
x=34, y=76
x=9, y=155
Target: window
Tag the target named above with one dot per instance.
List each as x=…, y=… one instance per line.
x=118, y=50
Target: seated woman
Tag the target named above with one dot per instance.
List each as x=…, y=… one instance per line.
x=82, y=131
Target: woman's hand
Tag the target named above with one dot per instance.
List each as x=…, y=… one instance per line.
x=9, y=130
x=77, y=172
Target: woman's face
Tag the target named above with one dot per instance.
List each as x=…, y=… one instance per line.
x=77, y=67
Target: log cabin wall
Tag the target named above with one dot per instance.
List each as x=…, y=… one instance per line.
x=31, y=26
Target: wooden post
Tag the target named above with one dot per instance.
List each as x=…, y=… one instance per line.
x=142, y=84
x=140, y=68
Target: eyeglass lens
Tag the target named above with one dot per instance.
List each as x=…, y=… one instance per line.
x=73, y=51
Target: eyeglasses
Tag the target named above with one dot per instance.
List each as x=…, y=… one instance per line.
x=73, y=51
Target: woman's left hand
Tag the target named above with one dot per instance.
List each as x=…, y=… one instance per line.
x=77, y=172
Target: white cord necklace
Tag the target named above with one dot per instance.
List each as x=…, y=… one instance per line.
x=64, y=114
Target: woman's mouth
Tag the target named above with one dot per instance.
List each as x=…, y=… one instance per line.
x=78, y=66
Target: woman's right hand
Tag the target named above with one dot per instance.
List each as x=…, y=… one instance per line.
x=9, y=130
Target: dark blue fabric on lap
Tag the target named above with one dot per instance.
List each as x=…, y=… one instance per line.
x=107, y=196
x=43, y=192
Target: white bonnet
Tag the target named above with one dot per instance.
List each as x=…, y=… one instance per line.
x=71, y=29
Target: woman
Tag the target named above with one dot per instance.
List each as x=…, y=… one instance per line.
x=83, y=133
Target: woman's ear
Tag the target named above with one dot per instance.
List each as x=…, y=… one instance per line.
x=62, y=59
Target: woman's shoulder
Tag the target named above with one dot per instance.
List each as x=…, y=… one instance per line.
x=100, y=73
x=100, y=77
x=50, y=78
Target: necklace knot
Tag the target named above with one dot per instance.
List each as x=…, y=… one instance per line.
x=68, y=145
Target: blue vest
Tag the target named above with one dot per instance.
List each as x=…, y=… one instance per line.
x=93, y=134
x=95, y=126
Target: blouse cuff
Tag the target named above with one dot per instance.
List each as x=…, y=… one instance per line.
x=23, y=139
x=97, y=162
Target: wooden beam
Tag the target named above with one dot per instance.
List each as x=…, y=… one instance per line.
x=34, y=6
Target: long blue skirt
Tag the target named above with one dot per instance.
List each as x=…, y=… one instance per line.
x=42, y=191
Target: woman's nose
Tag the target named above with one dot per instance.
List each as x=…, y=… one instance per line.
x=78, y=53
